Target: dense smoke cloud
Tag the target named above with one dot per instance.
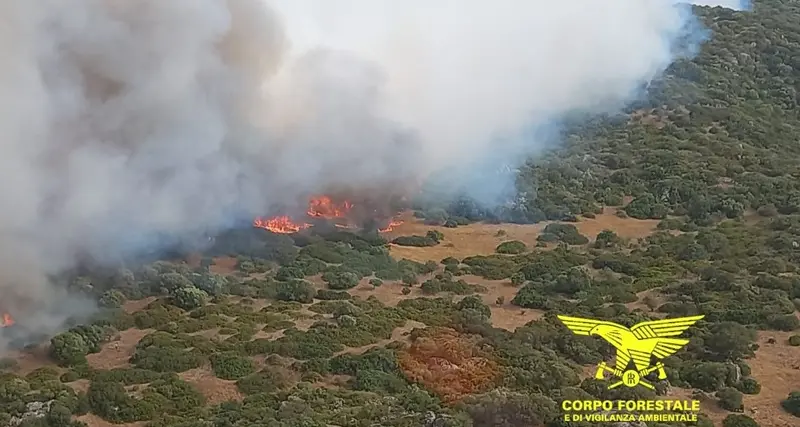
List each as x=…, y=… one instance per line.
x=124, y=121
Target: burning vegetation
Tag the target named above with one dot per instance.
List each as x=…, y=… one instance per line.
x=341, y=212
x=7, y=320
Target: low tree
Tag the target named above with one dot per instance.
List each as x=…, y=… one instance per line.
x=189, y=298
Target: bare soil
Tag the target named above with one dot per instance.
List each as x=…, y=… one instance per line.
x=777, y=368
x=133, y=306
x=215, y=390
x=224, y=265
x=482, y=238
x=116, y=354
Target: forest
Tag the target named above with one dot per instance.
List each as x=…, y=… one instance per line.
x=290, y=332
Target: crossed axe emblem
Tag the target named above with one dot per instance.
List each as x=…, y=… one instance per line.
x=630, y=377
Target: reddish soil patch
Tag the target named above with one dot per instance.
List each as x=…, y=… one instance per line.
x=216, y=390
x=224, y=265
x=133, y=306
x=95, y=421
x=117, y=353
x=482, y=239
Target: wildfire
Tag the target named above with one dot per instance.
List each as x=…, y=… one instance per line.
x=7, y=320
x=324, y=207
x=343, y=214
x=392, y=224
x=279, y=224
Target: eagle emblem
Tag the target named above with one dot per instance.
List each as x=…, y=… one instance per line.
x=639, y=344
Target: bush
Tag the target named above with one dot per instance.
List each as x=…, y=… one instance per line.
x=341, y=281
x=739, y=420
x=749, y=386
x=265, y=381
x=112, y=299
x=295, y=290
x=416, y=241
x=794, y=340
x=730, y=399
x=189, y=298
x=512, y=247
x=329, y=295
x=792, y=403
x=231, y=366
x=566, y=233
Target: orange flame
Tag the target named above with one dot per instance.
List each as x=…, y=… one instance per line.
x=324, y=207
x=7, y=320
x=279, y=224
x=392, y=224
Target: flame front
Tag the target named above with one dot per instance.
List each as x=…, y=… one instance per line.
x=324, y=207
x=392, y=224
x=7, y=320
x=319, y=207
x=279, y=224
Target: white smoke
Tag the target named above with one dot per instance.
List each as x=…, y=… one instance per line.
x=124, y=121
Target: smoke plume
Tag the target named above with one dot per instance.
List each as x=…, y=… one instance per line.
x=123, y=122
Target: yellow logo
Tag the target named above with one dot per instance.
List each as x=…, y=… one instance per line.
x=639, y=343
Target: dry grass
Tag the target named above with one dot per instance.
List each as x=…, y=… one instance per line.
x=482, y=239
x=215, y=390
x=116, y=354
x=777, y=368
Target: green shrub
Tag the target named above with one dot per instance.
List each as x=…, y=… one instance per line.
x=792, y=403
x=189, y=297
x=329, y=295
x=749, y=386
x=512, y=247
x=416, y=241
x=341, y=281
x=295, y=290
x=230, y=366
x=265, y=381
x=730, y=399
x=566, y=233
x=739, y=420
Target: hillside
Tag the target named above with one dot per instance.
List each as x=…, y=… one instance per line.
x=688, y=204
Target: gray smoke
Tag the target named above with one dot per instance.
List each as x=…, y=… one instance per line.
x=123, y=121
